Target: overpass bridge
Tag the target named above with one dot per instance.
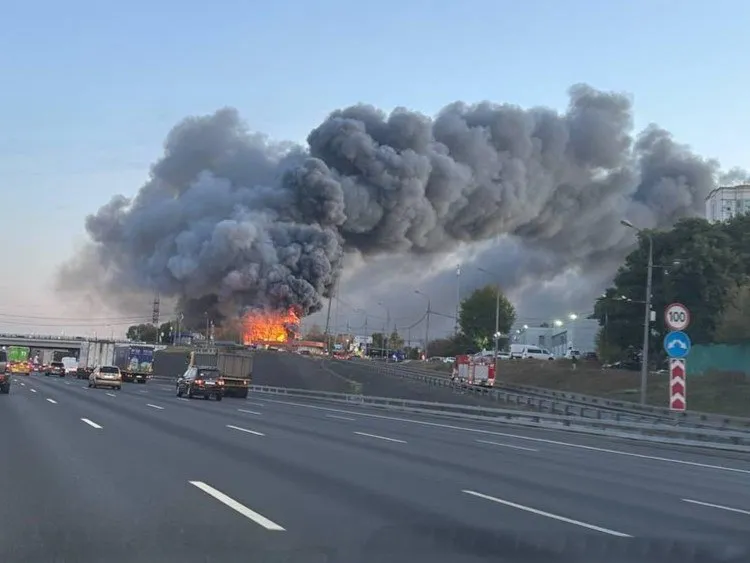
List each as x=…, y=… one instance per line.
x=71, y=345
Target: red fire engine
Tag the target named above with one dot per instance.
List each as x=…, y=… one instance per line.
x=474, y=371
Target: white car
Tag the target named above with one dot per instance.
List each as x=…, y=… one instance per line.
x=106, y=376
x=536, y=353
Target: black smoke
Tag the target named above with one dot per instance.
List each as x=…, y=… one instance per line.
x=230, y=220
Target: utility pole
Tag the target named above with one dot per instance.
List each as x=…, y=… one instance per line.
x=427, y=324
x=155, y=311
x=647, y=320
x=458, y=295
x=328, y=317
x=647, y=312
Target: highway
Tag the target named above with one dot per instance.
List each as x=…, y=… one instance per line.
x=91, y=475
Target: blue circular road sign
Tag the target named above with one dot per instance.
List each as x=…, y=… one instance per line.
x=677, y=344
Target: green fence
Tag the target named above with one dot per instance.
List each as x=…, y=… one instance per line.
x=707, y=358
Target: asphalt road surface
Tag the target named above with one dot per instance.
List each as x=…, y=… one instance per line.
x=138, y=475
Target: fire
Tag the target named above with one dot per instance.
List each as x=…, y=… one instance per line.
x=261, y=327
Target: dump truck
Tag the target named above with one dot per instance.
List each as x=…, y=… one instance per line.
x=235, y=367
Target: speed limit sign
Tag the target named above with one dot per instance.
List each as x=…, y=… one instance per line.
x=677, y=317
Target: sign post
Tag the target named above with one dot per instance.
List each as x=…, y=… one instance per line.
x=677, y=384
x=677, y=344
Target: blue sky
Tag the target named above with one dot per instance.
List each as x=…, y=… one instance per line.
x=90, y=91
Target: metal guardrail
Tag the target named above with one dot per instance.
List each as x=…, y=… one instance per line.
x=648, y=431
x=569, y=404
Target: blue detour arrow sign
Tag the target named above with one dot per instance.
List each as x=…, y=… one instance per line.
x=677, y=344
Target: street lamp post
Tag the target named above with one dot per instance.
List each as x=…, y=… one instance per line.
x=427, y=322
x=647, y=314
x=497, y=312
x=385, y=332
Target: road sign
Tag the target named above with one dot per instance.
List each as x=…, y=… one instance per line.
x=677, y=316
x=677, y=344
x=677, y=384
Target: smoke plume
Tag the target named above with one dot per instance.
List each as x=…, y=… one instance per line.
x=229, y=219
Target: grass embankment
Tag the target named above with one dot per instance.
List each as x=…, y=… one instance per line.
x=724, y=393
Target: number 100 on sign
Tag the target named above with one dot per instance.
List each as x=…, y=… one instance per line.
x=677, y=316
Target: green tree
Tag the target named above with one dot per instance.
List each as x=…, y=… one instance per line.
x=733, y=326
x=696, y=263
x=395, y=341
x=477, y=316
x=145, y=332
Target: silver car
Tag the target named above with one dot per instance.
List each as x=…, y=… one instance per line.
x=106, y=376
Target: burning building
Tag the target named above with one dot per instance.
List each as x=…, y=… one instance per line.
x=270, y=327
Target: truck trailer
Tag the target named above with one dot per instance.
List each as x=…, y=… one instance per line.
x=236, y=369
x=136, y=361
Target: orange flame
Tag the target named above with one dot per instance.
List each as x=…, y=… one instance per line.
x=264, y=327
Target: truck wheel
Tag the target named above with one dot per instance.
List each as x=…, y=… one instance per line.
x=5, y=390
x=218, y=397
x=179, y=391
x=244, y=393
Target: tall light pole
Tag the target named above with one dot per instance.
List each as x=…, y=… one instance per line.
x=572, y=318
x=427, y=326
x=497, y=311
x=385, y=332
x=647, y=315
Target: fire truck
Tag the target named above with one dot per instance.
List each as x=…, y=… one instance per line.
x=474, y=370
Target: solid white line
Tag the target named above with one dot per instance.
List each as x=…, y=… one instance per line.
x=720, y=507
x=507, y=445
x=91, y=423
x=245, y=430
x=520, y=437
x=340, y=417
x=183, y=399
x=52, y=401
x=248, y=412
x=241, y=508
x=255, y=403
x=111, y=394
x=380, y=437
x=154, y=406
x=549, y=515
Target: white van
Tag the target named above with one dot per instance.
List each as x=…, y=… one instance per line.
x=526, y=351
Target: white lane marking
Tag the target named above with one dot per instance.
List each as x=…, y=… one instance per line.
x=52, y=401
x=548, y=515
x=32, y=390
x=518, y=436
x=255, y=403
x=245, y=430
x=110, y=394
x=183, y=399
x=67, y=383
x=380, y=437
x=142, y=391
x=91, y=423
x=719, y=506
x=155, y=406
x=247, y=411
x=241, y=508
x=507, y=445
x=340, y=417
x=23, y=384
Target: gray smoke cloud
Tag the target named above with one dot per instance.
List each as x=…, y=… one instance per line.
x=230, y=220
